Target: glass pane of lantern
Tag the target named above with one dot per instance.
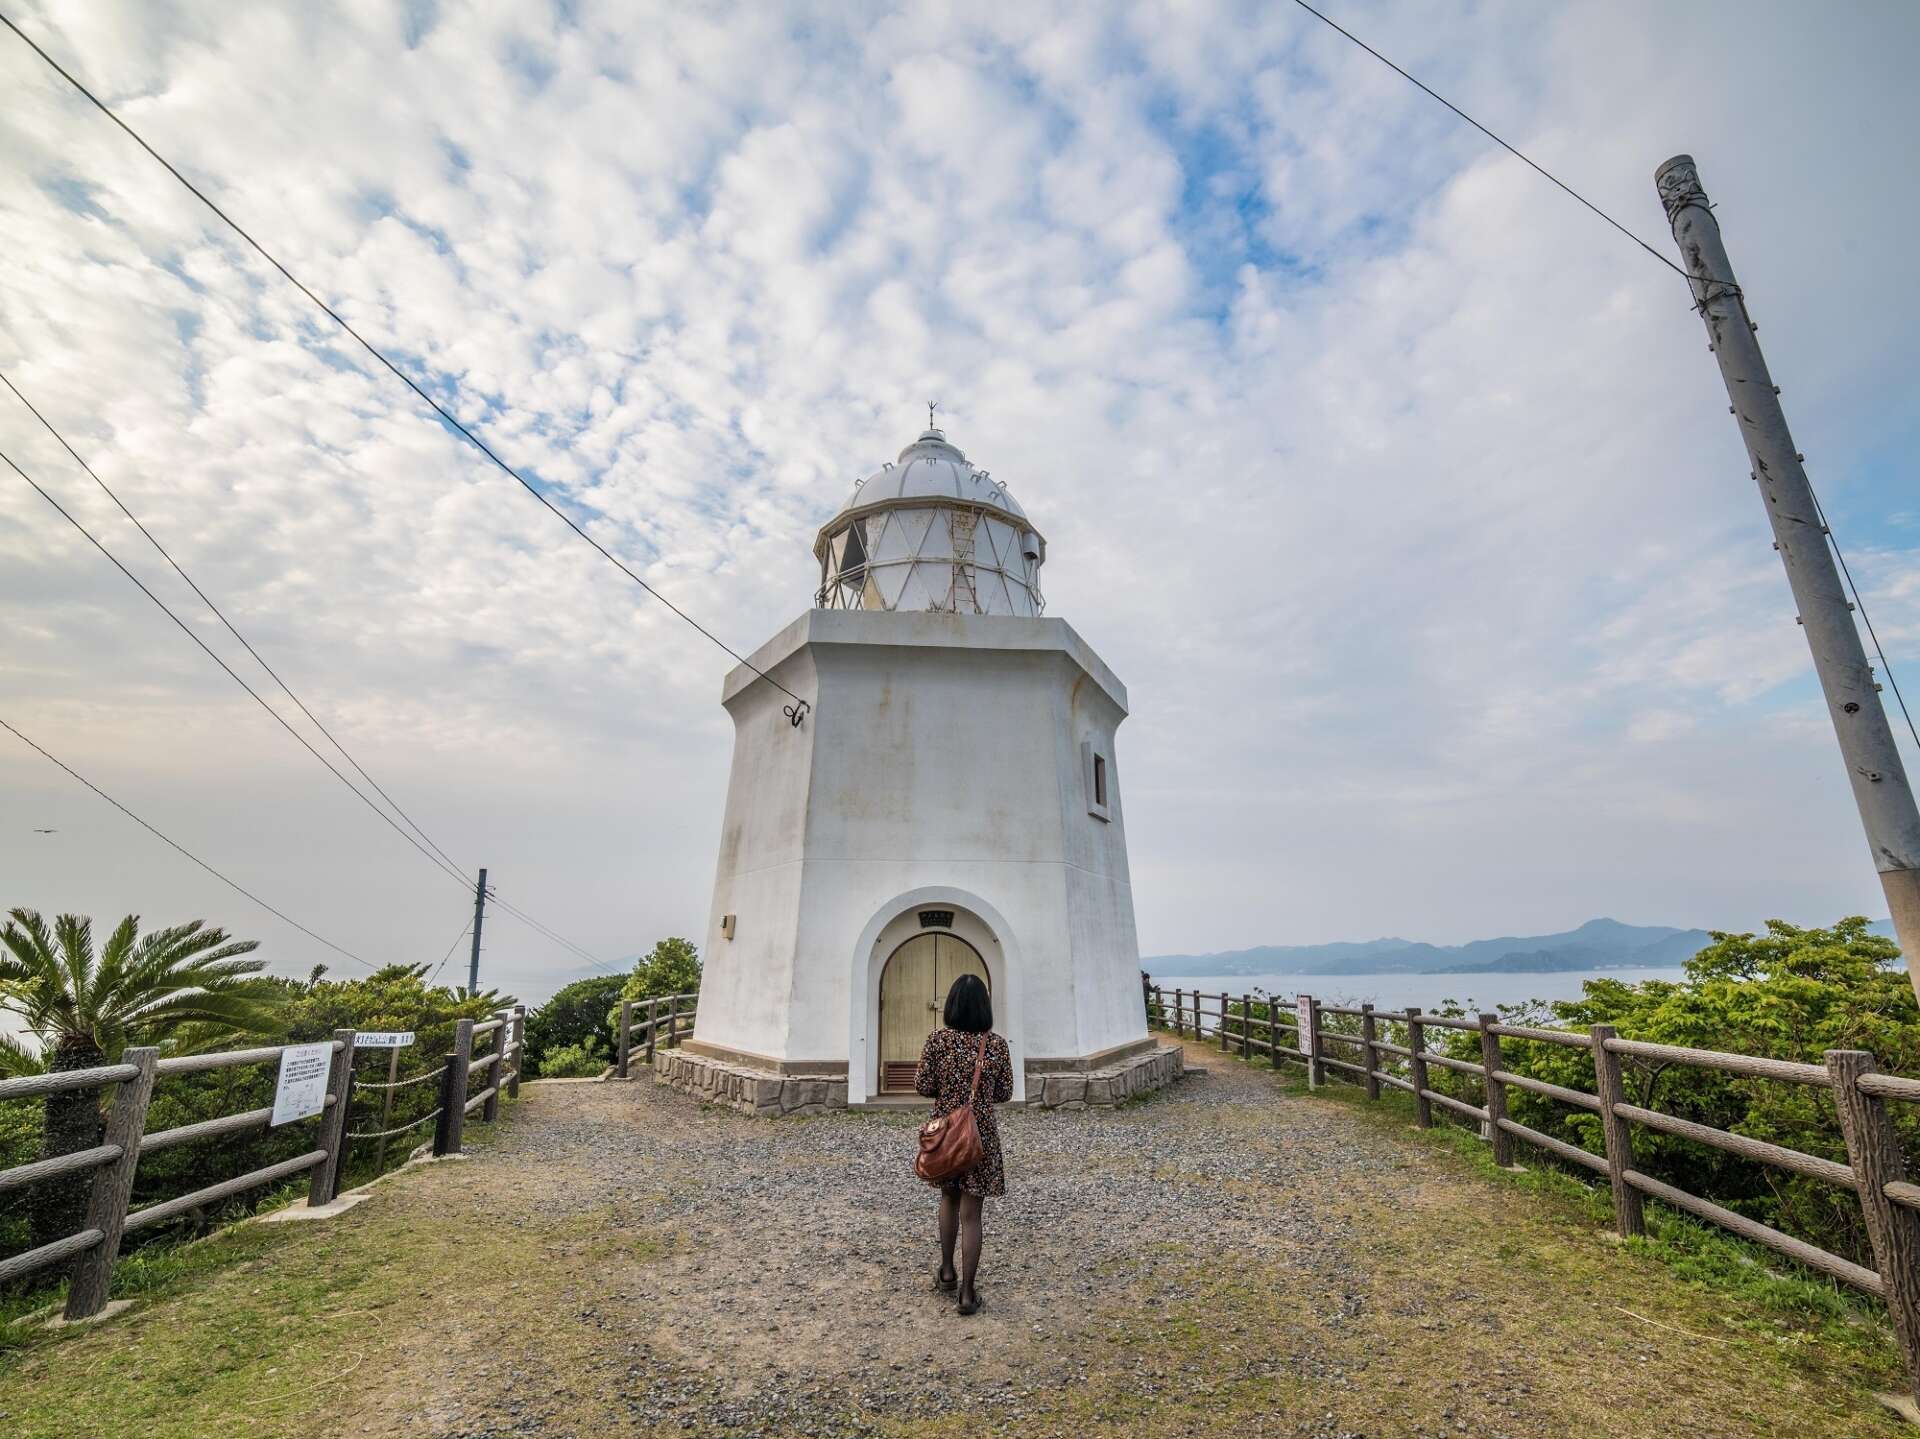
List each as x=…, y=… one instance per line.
x=889, y=578
x=918, y=593
x=912, y=525
x=937, y=543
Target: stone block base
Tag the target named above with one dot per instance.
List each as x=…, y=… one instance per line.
x=750, y=1091
x=1133, y=1076
x=759, y=1092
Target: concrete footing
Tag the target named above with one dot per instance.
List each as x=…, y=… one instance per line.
x=769, y=1095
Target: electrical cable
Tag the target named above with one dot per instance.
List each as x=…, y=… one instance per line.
x=248, y=646
x=465, y=929
x=441, y=410
x=558, y=938
x=235, y=675
x=220, y=615
x=175, y=844
x=1332, y=25
x=1859, y=604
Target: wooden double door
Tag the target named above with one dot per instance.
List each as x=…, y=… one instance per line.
x=913, y=993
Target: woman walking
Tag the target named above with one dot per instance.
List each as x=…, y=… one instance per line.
x=946, y=1076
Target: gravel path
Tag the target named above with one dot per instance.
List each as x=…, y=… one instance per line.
x=1226, y=1254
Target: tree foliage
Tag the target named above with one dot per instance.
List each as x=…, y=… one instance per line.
x=1789, y=993
x=86, y=1006
x=671, y=967
x=396, y=997
x=576, y=1014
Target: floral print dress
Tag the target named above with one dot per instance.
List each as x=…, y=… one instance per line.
x=946, y=1074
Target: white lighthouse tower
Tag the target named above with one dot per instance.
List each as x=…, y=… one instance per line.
x=950, y=803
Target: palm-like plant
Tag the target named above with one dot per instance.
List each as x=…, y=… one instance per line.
x=86, y=1007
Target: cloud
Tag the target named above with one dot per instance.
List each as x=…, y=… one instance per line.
x=1394, y=484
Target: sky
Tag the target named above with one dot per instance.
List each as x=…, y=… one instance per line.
x=1397, y=487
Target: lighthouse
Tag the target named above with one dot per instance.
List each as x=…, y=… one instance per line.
x=949, y=801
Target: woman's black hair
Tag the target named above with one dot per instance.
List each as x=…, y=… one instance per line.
x=969, y=1006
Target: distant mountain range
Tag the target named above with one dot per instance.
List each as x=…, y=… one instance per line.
x=1597, y=944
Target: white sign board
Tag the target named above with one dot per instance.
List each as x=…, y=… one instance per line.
x=1303, y=1011
x=302, y=1091
x=383, y=1039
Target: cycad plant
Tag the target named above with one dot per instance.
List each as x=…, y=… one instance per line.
x=85, y=1008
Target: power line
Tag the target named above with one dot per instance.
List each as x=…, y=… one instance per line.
x=551, y=934
x=231, y=884
x=447, y=860
x=441, y=410
x=1859, y=604
x=279, y=718
x=220, y=615
x=1330, y=24
x=465, y=926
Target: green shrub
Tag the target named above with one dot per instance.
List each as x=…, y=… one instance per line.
x=576, y=1013
x=586, y=1060
x=671, y=967
x=1790, y=993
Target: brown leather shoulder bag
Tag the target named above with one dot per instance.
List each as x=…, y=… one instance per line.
x=950, y=1145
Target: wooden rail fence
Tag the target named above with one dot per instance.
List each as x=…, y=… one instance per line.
x=113, y=1162
x=1875, y=1171
x=678, y=1007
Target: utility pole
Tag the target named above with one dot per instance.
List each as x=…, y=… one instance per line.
x=1880, y=786
x=479, y=914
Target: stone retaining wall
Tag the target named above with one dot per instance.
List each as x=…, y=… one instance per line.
x=751, y=1091
x=1135, y=1075
x=758, y=1092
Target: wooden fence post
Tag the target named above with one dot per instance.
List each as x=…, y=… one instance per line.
x=673, y=1021
x=457, y=1065
x=1246, y=1028
x=1273, y=1029
x=1873, y=1149
x=519, y=1048
x=333, y=1124
x=626, y=1032
x=1629, y=1212
x=1310, y=1042
x=1368, y=1034
x=1417, y=1064
x=113, y=1186
x=490, y=1111
x=1223, y=1021
x=1179, y=1014
x=653, y=1023
x=1496, y=1092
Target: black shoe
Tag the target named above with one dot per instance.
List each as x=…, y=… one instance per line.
x=968, y=1306
x=946, y=1281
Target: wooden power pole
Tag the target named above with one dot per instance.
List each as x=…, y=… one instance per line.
x=1880, y=786
x=479, y=914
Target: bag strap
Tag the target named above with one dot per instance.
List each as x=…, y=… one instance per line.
x=978, y=1060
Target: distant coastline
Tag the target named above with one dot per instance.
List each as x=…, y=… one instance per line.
x=1596, y=946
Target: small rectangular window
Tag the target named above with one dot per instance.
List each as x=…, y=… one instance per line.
x=1093, y=769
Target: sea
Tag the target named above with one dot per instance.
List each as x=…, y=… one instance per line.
x=1473, y=992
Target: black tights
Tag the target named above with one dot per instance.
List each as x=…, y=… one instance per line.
x=960, y=1219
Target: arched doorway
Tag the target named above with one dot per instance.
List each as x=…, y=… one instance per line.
x=913, y=990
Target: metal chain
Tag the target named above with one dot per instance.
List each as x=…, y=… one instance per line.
x=402, y=1083
x=389, y=1133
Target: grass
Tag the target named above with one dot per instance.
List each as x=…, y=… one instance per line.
x=1775, y=1295
x=1419, y=1290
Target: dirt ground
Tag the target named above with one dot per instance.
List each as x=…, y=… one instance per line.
x=1232, y=1255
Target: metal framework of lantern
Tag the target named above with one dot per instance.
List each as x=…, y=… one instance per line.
x=931, y=532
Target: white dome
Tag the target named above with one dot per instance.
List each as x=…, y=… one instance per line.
x=931, y=532
x=931, y=468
